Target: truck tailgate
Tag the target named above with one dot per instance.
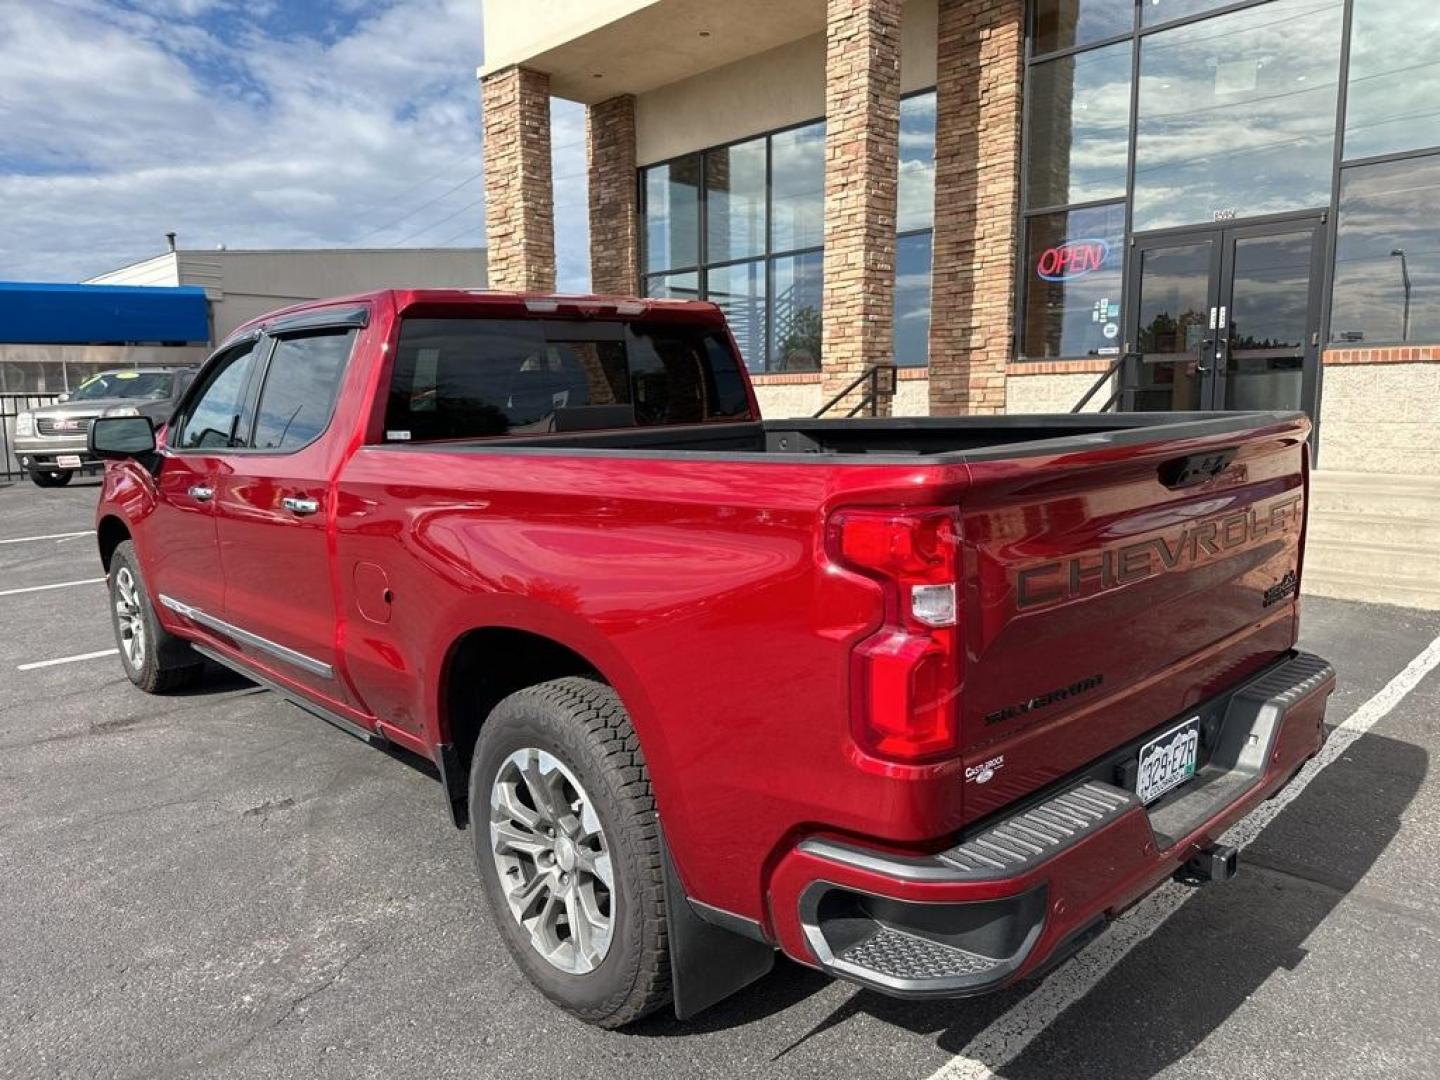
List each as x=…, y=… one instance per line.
x=1111, y=589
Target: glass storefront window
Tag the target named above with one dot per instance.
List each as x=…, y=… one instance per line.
x=1394, y=79
x=797, y=191
x=1155, y=12
x=735, y=201
x=1074, y=263
x=1061, y=24
x=672, y=214
x=1236, y=115
x=1387, y=253
x=912, y=300
x=682, y=286
x=795, y=313
x=739, y=289
x=1078, y=123
x=916, y=208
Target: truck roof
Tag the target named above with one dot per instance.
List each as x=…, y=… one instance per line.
x=517, y=304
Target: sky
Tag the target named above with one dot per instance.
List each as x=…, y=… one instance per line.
x=252, y=124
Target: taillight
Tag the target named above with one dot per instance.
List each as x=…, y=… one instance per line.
x=905, y=677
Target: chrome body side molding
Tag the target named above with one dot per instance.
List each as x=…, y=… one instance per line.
x=220, y=626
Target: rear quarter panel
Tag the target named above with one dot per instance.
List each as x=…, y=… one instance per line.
x=697, y=587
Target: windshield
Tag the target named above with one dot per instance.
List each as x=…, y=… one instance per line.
x=141, y=385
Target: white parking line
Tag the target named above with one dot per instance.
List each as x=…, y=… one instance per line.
x=56, y=585
x=1008, y=1036
x=66, y=659
x=50, y=536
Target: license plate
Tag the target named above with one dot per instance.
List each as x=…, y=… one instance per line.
x=1168, y=761
x=67, y=461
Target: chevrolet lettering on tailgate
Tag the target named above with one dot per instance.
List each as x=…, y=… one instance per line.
x=1093, y=572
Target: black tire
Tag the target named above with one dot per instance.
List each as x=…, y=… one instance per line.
x=51, y=478
x=582, y=723
x=166, y=663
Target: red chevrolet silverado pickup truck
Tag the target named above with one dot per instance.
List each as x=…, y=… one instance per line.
x=922, y=703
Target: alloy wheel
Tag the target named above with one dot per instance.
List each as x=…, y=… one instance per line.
x=130, y=618
x=552, y=860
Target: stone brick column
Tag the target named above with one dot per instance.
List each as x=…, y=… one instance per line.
x=614, y=217
x=979, y=68
x=862, y=134
x=519, y=203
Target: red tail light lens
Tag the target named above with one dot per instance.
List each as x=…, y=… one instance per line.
x=905, y=677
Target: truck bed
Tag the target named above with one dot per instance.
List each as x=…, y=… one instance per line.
x=938, y=439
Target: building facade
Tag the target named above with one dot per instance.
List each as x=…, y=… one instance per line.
x=1161, y=204
x=243, y=284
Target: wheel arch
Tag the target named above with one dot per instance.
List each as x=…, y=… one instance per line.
x=110, y=533
x=482, y=666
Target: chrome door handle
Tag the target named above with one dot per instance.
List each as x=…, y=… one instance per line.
x=300, y=507
x=201, y=492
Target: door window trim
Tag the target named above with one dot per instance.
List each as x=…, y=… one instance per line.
x=199, y=384
x=275, y=339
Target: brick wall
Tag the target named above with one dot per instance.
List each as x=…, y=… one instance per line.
x=862, y=131
x=614, y=219
x=979, y=68
x=519, y=203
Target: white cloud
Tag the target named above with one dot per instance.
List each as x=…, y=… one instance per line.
x=200, y=116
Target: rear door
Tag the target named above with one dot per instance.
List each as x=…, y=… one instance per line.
x=273, y=515
x=1111, y=590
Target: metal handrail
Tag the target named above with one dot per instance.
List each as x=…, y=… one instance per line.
x=1108, y=374
x=872, y=396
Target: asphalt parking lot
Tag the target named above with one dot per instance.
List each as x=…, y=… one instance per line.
x=217, y=884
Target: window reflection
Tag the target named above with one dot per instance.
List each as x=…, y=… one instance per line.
x=1074, y=266
x=1387, y=253
x=739, y=289
x=682, y=286
x=1237, y=114
x=1059, y=24
x=1078, y=119
x=672, y=214
x=1154, y=12
x=735, y=201
x=795, y=313
x=1393, y=100
x=912, y=300
x=917, y=163
x=797, y=192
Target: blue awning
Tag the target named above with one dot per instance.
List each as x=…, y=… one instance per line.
x=36, y=314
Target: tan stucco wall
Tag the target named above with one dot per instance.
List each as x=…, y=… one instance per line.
x=1024, y=394
x=1050, y=393
x=788, y=400
x=773, y=89
x=1381, y=418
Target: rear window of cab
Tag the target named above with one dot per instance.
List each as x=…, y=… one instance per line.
x=457, y=378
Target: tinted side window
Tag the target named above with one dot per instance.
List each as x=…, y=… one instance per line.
x=215, y=418
x=472, y=378
x=300, y=387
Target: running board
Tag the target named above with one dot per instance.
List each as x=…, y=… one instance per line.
x=374, y=738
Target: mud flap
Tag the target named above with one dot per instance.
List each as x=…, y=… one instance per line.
x=712, y=953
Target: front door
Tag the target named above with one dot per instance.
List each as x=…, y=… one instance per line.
x=182, y=568
x=1225, y=318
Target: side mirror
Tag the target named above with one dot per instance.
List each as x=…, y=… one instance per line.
x=115, y=438
x=62, y=399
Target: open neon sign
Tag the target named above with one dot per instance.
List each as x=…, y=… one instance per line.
x=1072, y=259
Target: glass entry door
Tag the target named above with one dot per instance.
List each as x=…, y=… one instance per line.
x=1225, y=318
